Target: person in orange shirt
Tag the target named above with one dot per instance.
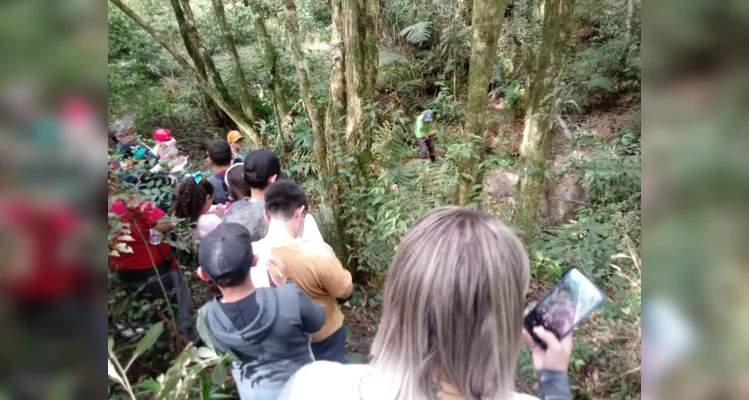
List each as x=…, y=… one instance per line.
x=310, y=265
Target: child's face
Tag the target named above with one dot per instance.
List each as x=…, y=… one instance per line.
x=236, y=146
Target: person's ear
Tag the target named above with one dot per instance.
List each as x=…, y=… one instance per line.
x=210, y=162
x=265, y=214
x=299, y=213
x=272, y=179
x=255, y=259
x=202, y=274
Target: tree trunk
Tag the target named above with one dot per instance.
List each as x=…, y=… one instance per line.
x=280, y=109
x=192, y=29
x=335, y=129
x=244, y=97
x=546, y=74
x=213, y=112
x=302, y=73
x=486, y=25
x=235, y=115
x=630, y=13
x=360, y=46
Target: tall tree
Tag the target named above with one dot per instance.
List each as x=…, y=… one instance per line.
x=305, y=85
x=192, y=29
x=213, y=112
x=235, y=115
x=546, y=74
x=244, y=97
x=280, y=108
x=335, y=128
x=486, y=25
x=360, y=20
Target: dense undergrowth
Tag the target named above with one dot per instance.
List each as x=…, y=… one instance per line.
x=423, y=65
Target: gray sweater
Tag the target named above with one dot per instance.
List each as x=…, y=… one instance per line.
x=271, y=345
x=250, y=215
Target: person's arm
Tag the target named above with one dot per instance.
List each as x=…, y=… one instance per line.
x=154, y=217
x=313, y=315
x=551, y=364
x=206, y=224
x=554, y=385
x=336, y=279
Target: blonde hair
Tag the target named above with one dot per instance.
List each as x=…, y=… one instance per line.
x=453, y=307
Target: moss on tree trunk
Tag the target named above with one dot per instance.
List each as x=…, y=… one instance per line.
x=244, y=97
x=302, y=73
x=213, y=112
x=547, y=67
x=203, y=54
x=280, y=107
x=335, y=128
x=486, y=25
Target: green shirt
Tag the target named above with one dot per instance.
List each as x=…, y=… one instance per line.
x=422, y=128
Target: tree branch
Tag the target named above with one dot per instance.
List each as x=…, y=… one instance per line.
x=212, y=92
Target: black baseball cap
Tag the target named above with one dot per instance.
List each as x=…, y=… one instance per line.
x=226, y=249
x=259, y=166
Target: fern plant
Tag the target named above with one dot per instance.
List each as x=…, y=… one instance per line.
x=417, y=33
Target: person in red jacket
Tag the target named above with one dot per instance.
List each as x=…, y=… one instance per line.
x=41, y=241
x=138, y=247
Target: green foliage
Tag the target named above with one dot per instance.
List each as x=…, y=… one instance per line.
x=605, y=227
x=133, y=50
x=445, y=107
x=388, y=57
x=417, y=33
x=401, y=78
x=608, y=61
x=315, y=18
x=238, y=17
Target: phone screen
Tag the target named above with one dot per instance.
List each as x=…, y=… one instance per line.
x=572, y=299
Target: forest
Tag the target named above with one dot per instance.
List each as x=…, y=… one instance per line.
x=536, y=106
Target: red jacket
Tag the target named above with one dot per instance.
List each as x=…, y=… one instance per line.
x=140, y=217
x=42, y=252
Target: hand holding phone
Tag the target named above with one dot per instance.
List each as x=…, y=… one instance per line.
x=557, y=355
x=568, y=303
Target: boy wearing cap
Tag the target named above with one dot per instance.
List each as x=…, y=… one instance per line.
x=311, y=266
x=266, y=328
x=261, y=168
x=236, y=141
x=424, y=130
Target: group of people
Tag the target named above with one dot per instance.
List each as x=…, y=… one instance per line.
x=453, y=301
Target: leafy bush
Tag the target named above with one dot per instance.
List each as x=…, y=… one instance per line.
x=608, y=225
x=609, y=60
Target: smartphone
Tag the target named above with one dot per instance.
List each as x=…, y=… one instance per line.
x=567, y=304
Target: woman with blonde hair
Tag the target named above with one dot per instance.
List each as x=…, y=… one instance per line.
x=452, y=321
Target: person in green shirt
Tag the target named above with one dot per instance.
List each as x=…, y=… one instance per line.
x=425, y=129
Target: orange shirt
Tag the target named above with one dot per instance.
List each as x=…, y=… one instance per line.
x=322, y=277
